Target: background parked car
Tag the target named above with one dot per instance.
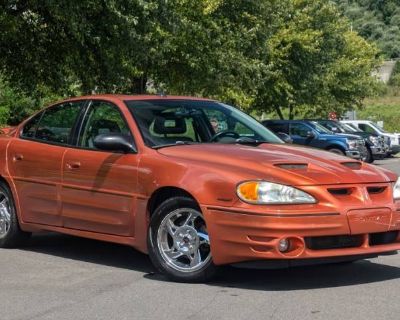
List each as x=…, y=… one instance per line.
x=375, y=144
x=368, y=126
x=310, y=133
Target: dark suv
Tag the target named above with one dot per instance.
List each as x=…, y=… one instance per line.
x=310, y=133
x=375, y=144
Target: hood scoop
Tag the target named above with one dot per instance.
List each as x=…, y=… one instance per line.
x=354, y=165
x=292, y=166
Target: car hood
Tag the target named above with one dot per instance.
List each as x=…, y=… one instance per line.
x=280, y=163
x=345, y=135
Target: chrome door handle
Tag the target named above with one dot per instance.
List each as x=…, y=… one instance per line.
x=73, y=165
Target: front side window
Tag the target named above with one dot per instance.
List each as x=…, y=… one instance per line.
x=299, y=129
x=54, y=124
x=166, y=122
x=102, y=118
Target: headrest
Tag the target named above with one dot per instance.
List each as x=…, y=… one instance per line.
x=169, y=124
x=105, y=126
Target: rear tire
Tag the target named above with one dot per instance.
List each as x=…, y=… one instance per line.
x=11, y=235
x=178, y=241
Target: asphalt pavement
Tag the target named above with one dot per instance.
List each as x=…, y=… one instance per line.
x=60, y=277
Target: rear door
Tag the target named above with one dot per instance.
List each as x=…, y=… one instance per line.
x=36, y=158
x=99, y=187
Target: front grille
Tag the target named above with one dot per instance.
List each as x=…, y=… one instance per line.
x=333, y=242
x=383, y=238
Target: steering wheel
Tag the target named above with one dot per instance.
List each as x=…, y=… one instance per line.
x=225, y=133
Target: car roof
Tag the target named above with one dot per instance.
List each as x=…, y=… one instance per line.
x=126, y=97
x=357, y=121
x=285, y=121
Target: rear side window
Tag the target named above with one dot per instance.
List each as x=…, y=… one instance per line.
x=54, y=124
x=30, y=127
x=278, y=127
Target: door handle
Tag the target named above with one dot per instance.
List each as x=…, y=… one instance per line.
x=18, y=157
x=73, y=165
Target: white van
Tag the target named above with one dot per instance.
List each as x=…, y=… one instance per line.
x=371, y=127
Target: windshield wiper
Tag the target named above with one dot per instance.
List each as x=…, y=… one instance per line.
x=249, y=141
x=177, y=143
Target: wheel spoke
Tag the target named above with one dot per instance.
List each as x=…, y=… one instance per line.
x=195, y=259
x=204, y=237
x=190, y=218
x=172, y=254
x=171, y=227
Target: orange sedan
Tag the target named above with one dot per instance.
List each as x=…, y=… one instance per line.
x=192, y=182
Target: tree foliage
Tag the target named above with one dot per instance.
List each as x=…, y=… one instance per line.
x=316, y=64
x=377, y=21
x=262, y=55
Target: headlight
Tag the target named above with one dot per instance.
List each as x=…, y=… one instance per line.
x=396, y=190
x=262, y=192
x=374, y=140
x=352, y=144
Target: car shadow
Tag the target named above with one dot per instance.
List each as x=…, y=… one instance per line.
x=291, y=279
x=87, y=250
x=310, y=277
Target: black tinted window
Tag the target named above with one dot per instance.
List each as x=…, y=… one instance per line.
x=277, y=127
x=55, y=124
x=30, y=127
x=299, y=129
x=102, y=118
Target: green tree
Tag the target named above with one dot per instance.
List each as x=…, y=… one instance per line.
x=377, y=21
x=315, y=64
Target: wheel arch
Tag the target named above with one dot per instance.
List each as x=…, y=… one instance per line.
x=336, y=146
x=163, y=193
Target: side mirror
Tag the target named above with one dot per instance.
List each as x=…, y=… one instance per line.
x=310, y=134
x=334, y=130
x=114, y=142
x=284, y=137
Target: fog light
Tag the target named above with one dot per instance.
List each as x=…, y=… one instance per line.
x=284, y=245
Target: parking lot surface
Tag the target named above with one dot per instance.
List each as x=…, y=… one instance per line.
x=62, y=277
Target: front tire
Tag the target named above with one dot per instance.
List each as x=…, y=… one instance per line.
x=178, y=241
x=11, y=234
x=369, y=157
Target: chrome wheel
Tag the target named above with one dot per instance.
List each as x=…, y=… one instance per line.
x=182, y=240
x=5, y=215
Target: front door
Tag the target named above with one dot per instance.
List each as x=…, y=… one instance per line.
x=300, y=133
x=36, y=158
x=98, y=187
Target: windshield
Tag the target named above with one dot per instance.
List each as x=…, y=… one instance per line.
x=332, y=126
x=320, y=129
x=170, y=122
x=378, y=128
x=348, y=127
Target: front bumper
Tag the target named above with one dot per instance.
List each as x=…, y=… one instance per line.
x=238, y=235
x=394, y=149
x=355, y=154
x=378, y=151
